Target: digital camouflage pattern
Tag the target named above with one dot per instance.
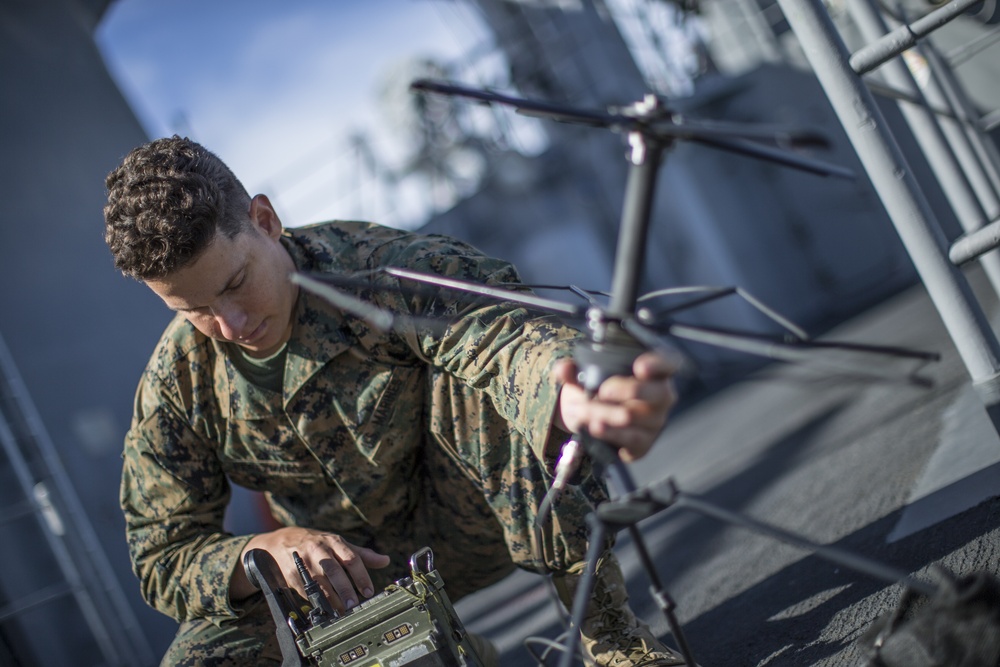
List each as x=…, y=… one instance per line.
x=417, y=437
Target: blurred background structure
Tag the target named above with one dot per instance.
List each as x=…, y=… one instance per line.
x=74, y=335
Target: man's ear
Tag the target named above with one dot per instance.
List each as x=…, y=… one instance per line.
x=262, y=215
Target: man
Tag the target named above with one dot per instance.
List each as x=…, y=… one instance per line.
x=367, y=444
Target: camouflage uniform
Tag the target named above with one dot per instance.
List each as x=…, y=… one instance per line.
x=393, y=440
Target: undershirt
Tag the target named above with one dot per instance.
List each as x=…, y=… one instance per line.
x=265, y=372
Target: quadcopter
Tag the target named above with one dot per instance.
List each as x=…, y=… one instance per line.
x=622, y=323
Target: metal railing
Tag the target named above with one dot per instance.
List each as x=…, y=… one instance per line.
x=935, y=259
x=78, y=610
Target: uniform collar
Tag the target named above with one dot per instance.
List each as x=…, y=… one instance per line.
x=319, y=334
x=320, y=331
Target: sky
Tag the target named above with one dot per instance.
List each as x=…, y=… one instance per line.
x=277, y=89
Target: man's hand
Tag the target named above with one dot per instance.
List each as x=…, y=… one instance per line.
x=626, y=412
x=339, y=567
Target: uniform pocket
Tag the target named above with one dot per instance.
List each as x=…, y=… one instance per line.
x=284, y=478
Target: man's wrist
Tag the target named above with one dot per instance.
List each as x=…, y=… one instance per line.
x=240, y=587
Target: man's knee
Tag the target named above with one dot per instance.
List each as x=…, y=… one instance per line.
x=247, y=641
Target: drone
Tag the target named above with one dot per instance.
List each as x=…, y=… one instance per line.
x=622, y=323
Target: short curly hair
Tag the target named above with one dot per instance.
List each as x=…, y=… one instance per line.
x=167, y=200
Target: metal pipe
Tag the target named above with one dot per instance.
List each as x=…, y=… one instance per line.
x=981, y=166
x=929, y=135
x=631, y=251
x=970, y=246
x=130, y=639
x=907, y=207
x=990, y=121
x=74, y=581
x=963, y=53
x=895, y=42
x=975, y=127
x=894, y=94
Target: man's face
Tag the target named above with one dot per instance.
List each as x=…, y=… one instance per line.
x=237, y=290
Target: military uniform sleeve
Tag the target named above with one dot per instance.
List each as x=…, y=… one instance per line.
x=174, y=494
x=499, y=347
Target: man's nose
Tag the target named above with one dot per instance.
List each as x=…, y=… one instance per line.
x=231, y=321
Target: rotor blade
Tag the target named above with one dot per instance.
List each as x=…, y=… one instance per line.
x=523, y=106
x=666, y=126
x=725, y=136
x=852, y=360
x=806, y=344
x=500, y=294
x=711, y=294
x=378, y=318
x=682, y=127
x=803, y=340
x=776, y=155
x=842, y=357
